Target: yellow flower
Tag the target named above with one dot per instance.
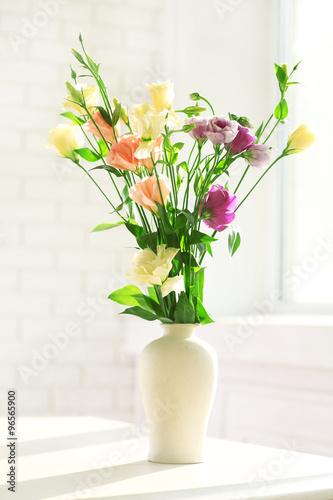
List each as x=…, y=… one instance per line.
x=300, y=139
x=149, y=268
x=162, y=95
x=64, y=139
x=147, y=121
x=91, y=97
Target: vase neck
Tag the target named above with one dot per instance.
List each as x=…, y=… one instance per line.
x=179, y=330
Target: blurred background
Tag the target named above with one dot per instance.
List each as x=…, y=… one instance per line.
x=62, y=344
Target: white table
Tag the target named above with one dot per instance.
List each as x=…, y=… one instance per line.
x=97, y=459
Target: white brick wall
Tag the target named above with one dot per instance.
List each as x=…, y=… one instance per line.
x=55, y=274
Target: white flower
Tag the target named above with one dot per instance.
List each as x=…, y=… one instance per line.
x=149, y=268
x=175, y=284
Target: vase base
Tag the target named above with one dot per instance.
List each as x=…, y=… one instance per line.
x=179, y=461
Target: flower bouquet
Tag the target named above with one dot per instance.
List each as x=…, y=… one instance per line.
x=174, y=207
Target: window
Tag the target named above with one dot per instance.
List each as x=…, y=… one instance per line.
x=307, y=186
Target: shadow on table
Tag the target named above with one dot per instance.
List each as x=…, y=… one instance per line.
x=81, y=484
x=67, y=442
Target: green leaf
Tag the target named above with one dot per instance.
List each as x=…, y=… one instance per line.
x=183, y=165
x=93, y=66
x=189, y=216
x=105, y=114
x=147, y=315
x=281, y=110
x=116, y=115
x=180, y=180
x=198, y=180
x=234, y=240
x=204, y=317
x=78, y=56
x=128, y=202
x=103, y=149
x=184, y=312
x=181, y=221
x=135, y=229
x=173, y=157
x=105, y=226
x=259, y=129
x=198, y=237
x=188, y=128
x=281, y=73
x=220, y=167
x=201, y=249
x=121, y=206
x=167, y=144
x=108, y=168
x=242, y=120
x=71, y=116
x=73, y=74
x=148, y=240
x=199, y=280
x=178, y=146
x=167, y=227
x=296, y=66
x=187, y=259
x=282, y=76
x=152, y=293
x=76, y=95
x=87, y=154
x=209, y=249
x=131, y=295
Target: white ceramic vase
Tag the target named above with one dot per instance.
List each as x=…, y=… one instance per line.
x=178, y=374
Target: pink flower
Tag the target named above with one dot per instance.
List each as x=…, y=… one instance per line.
x=147, y=192
x=145, y=149
x=121, y=154
x=201, y=127
x=104, y=127
x=221, y=130
x=258, y=155
x=218, y=207
x=243, y=140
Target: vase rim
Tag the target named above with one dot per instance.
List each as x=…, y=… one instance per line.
x=182, y=328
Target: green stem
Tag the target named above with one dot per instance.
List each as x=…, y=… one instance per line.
x=256, y=184
x=160, y=299
x=209, y=104
x=102, y=159
x=271, y=131
x=101, y=190
x=265, y=126
x=241, y=179
x=97, y=127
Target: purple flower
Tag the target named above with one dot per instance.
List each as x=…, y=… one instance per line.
x=221, y=130
x=243, y=140
x=218, y=207
x=258, y=155
x=201, y=127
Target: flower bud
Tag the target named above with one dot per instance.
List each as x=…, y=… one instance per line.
x=123, y=113
x=195, y=96
x=300, y=139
